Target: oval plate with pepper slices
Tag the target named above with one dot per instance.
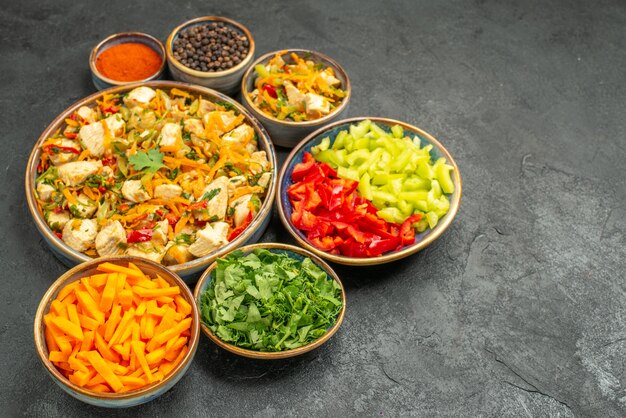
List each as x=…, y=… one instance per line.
x=167, y=171
x=367, y=191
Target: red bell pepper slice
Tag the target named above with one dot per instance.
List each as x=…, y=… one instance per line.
x=141, y=235
x=407, y=233
x=336, y=219
x=237, y=231
x=56, y=149
x=271, y=90
x=198, y=205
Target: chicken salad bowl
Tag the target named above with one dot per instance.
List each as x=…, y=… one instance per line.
x=167, y=171
x=294, y=92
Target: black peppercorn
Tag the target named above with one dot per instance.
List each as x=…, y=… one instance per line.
x=210, y=47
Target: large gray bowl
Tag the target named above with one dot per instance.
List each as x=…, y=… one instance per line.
x=188, y=271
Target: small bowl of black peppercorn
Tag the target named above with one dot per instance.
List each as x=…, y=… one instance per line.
x=212, y=51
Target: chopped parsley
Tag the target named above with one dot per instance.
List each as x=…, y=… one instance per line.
x=268, y=301
x=150, y=161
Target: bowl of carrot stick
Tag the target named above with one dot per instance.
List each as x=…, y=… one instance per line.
x=117, y=332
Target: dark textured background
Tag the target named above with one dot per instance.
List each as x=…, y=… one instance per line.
x=519, y=309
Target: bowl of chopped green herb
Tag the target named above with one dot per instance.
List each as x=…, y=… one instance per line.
x=270, y=301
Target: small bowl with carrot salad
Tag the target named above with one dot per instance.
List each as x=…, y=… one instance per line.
x=295, y=91
x=118, y=331
x=174, y=173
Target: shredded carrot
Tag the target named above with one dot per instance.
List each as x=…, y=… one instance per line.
x=119, y=330
x=177, y=92
x=241, y=191
x=181, y=224
x=83, y=155
x=69, y=195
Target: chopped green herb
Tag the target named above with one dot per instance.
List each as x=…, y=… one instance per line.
x=95, y=180
x=192, y=155
x=48, y=176
x=151, y=161
x=269, y=301
x=172, y=174
x=210, y=194
x=226, y=105
x=183, y=239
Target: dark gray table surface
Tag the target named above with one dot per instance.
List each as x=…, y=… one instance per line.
x=519, y=309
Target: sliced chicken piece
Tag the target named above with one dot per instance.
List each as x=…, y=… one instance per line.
x=329, y=77
x=194, y=126
x=264, y=180
x=209, y=239
x=171, y=135
x=44, y=191
x=277, y=64
x=84, y=207
x=87, y=114
x=258, y=162
x=92, y=138
x=115, y=124
x=140, y=96
x=111, y=239
x=241, y=134
x=57, y=221
x=167, y=191
x=241, y=208
x=217, y=205
x=294, y=97
x=178, y=254
x=107, y=171
x=59, y=157
x=205, y=107
x=316, y=105
x=160, y=231
x=92, y=135
x=147, y=250
x=226, y=118
x=133, y=190
x=75, y=173
x=80, y=234
x=234, y=183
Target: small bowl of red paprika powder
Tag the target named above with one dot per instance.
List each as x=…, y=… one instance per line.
x=127, y=57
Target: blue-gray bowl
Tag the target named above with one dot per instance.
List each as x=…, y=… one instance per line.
x=226, y=81
x=421, y=239
x=286, y=133
x=293, y=252
x=100, y=81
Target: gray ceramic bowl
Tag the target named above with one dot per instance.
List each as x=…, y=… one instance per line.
x=227, y=81
x=288, y=133
x=190, y=270
x=422, y=239
x=293, y=252
x=100, y=81
x=124, y=399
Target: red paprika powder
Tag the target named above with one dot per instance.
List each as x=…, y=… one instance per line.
x=130, y=61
